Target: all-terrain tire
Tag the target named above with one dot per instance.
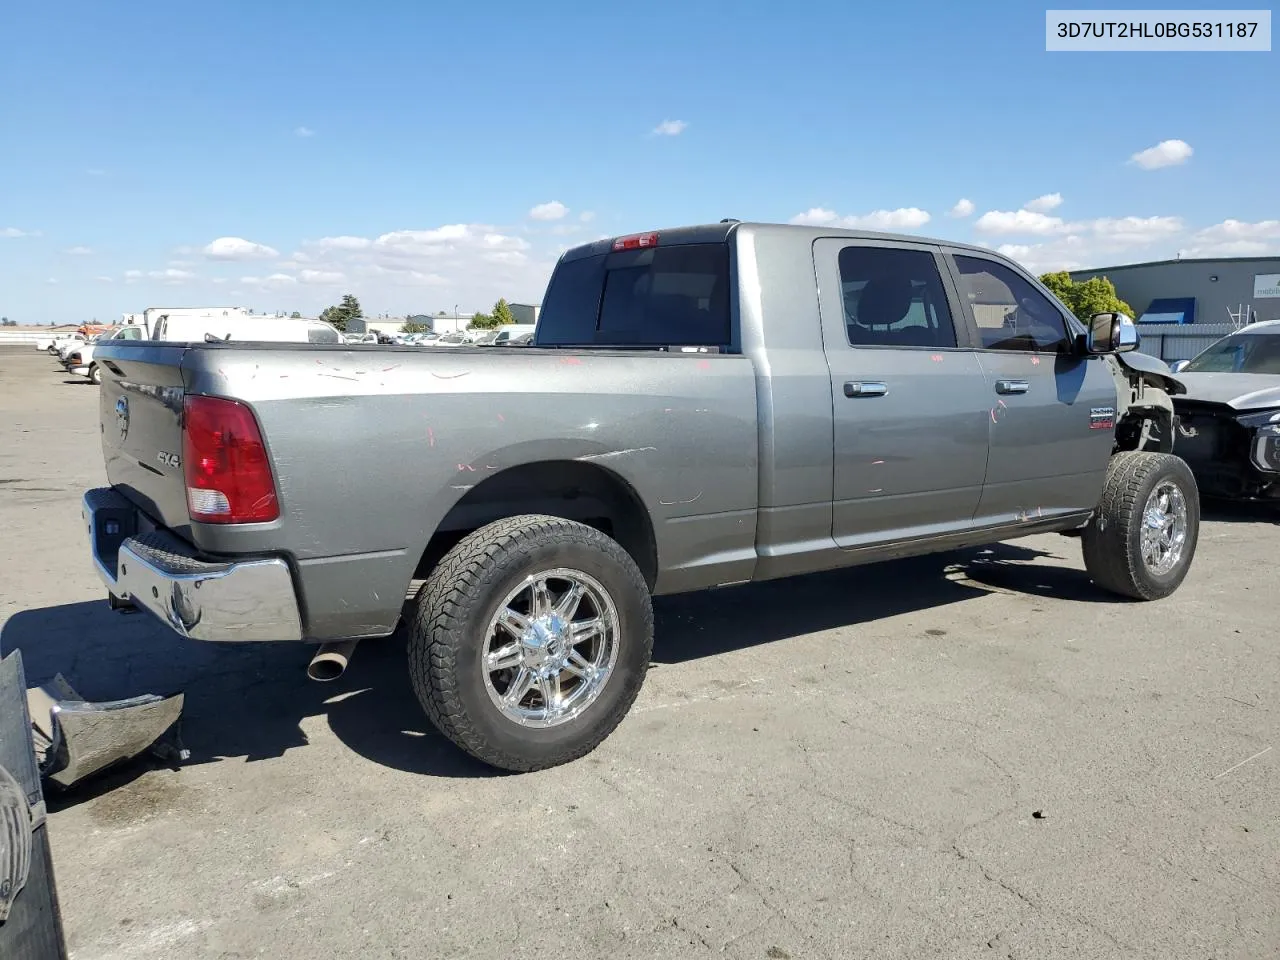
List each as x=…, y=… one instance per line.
x=449, y=629
x=1112, y=540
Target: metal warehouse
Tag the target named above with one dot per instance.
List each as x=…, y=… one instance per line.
x=1185, y=305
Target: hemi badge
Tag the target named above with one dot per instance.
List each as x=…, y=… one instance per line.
x=1102, y=418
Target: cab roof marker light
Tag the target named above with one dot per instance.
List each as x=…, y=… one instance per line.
x=636, y=241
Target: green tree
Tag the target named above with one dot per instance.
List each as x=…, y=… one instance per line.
x=412, y=326
x=295, y=315
x=334, y=316
x=502, y=314
x=482, y=321
x=343, y=313
x=1095, y=295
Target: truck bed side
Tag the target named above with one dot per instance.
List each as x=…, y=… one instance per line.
x=378, y=450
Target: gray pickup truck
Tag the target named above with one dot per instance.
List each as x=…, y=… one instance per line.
x=700, y=407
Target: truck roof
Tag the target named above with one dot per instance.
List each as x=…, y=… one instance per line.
x=720, y=232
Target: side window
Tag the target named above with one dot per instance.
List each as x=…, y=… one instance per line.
x=894, y=298
x=1010, y=313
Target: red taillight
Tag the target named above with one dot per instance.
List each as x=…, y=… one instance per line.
x=225, y=463
x=636, y=241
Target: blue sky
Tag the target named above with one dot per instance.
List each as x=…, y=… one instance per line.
x=173, y=154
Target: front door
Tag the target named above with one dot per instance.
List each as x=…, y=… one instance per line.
x=910, y=400
x=1053, y=408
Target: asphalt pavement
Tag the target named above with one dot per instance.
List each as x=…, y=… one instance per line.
x=976, y=755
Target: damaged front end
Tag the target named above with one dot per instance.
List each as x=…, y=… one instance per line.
x=1145, y=417
x=1234, y=454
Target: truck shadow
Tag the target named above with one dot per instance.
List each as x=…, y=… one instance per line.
x=251, y=701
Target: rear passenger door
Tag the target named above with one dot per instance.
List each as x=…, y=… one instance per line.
x=1052, y=407
x=910, y=402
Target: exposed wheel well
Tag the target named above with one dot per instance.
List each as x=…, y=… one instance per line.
x=1148, y=429
x=570, y=489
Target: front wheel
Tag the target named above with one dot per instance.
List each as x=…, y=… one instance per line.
x=95, y=375
x=1143, y=535
x=530, y=641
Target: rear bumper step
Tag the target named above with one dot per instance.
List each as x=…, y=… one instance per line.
x=249, y=600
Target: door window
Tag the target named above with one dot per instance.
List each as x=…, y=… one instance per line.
x=1009, y=312
x=894, y=298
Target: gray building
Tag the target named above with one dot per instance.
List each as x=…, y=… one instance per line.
x=1184, y=306
x=1227, y=290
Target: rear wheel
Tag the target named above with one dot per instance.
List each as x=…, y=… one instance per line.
x=1143, y=535
x=95, y=375
x=530, y=641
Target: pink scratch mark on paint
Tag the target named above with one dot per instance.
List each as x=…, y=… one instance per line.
x=936, y=358
x=570, y=360
x=704, y=364
x=431, y=436
x=393, y=367
x=1000, y=405
x=502, y=418
x=1035, y=361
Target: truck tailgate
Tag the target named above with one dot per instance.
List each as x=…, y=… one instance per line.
x=141, y=423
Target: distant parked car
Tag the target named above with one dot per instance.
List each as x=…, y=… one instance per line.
x=80, y=360
x=1229, y=419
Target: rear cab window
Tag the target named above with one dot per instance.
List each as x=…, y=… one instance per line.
x=677, y=295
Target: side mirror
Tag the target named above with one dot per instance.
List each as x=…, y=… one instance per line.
x=1111, y=333
x=1179, y=365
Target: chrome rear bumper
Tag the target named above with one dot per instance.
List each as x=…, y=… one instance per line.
x=247, y=600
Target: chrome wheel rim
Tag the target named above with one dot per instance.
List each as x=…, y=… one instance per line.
x=1164, y=528
x=550, y=648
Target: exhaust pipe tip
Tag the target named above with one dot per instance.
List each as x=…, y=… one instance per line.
x=330, y=661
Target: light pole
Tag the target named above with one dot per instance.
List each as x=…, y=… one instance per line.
x=455, y=318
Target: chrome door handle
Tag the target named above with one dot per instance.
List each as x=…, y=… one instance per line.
x=1012, y=386
x=865, y=389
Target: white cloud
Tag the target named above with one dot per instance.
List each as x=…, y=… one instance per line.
x=1018, y=222
x=273, y=280
x=551, y=210
x=963, y=208
x=104, y=279
x=1236, y=238
x=132, y=275
x=80, y=251
x=303, y=132
x=237, y=248
x=1100, y=242
x=339, y=243
x=586, y=216
x=1166, y=153
x=1044, y=203
x=903, y=218
x=52, y=281
x=14, y=233
x=321, y=276
x=670, y=128
x=172, y=276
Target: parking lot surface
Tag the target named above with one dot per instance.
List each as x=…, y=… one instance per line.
x=976, y=755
